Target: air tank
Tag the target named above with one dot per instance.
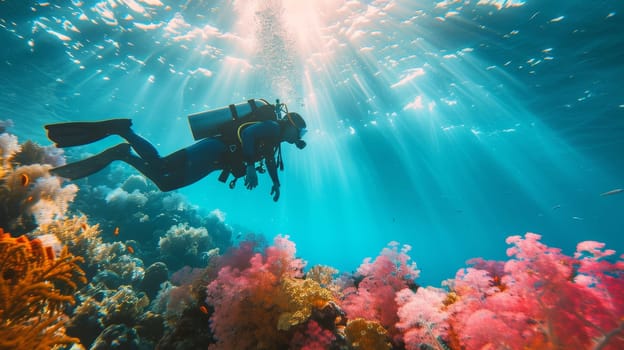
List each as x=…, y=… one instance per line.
x=210, y=123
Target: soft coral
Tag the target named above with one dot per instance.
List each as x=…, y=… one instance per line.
x=247, y=301
x=540, y=299
x=374, y=296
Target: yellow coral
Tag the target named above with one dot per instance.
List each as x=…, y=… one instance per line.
x=75, y=233
x=303, y=296
x=324, y=275
x=367, y=335
x=34, y=288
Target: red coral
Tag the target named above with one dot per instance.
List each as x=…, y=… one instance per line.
x=313, y=338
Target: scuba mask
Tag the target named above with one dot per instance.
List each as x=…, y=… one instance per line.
x=299, y=123
x=300, y=144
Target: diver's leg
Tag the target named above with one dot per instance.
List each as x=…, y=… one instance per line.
x=167, y=173
x=140, y=145
x=204, y=157
x=182, y=167
x=91, y=165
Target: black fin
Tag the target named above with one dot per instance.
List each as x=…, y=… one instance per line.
x=81, y=133
x=91, y=165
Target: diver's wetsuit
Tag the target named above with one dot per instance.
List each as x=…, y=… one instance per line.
x=193, y=163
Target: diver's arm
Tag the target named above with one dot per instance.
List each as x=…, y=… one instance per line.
x=272, y=169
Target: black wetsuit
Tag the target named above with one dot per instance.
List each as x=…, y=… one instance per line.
x=258, y=141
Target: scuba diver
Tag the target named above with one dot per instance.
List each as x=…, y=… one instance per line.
x=227, y=142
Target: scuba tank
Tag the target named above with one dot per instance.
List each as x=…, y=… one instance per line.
x=213, y=123
x=226, y=123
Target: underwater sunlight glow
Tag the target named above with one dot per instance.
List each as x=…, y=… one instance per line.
x=445, y=125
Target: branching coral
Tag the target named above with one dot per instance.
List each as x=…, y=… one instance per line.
x=324, y=275
x=84, y=240
x=35, y=286
x=116, y=257
x=123, y=306
x=183, y=245
x=76, y=234
x=422, y=317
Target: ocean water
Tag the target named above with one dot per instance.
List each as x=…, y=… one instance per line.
x=444, y=125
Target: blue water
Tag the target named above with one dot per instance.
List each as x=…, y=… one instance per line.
x=444, y=125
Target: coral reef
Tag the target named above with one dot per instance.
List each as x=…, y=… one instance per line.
x=35, y=287
x=379, y=280
x=155, y=275
x=303, y=295
x=183, y=307
x=105, y=313
x=544, y=299
x=184, y=245
x=267, y=301
x=367, y=335
x=256, y=295
x=31, y=153
x=126, y=205
x=29, y=195
x=118, y=258
x=79, y=237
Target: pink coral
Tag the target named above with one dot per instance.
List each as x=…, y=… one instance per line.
x=374, y=297
x=541, y=303
x=422, y=316
x=542, y=299
x=247, y=301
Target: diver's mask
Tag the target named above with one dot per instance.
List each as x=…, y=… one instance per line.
x=300, y=144
x=299, y=123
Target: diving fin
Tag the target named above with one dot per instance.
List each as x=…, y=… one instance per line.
x=91, y=165
x=81, y=133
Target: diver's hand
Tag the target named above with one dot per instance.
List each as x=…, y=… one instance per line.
x=275, y=192
x=251, y=177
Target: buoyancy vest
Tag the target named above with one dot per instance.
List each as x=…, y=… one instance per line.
x=227, y=124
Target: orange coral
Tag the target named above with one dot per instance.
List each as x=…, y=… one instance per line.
x=34, y=288
x=367, y=335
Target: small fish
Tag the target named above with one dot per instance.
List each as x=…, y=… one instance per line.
x=578, y=218
x=556, y=207
x=116, y=232
x=203, y=309
x=30, y=198
x=612, y=192
x=130, y=249
x=25, y=180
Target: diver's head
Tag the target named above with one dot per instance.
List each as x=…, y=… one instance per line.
x=295, y=129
